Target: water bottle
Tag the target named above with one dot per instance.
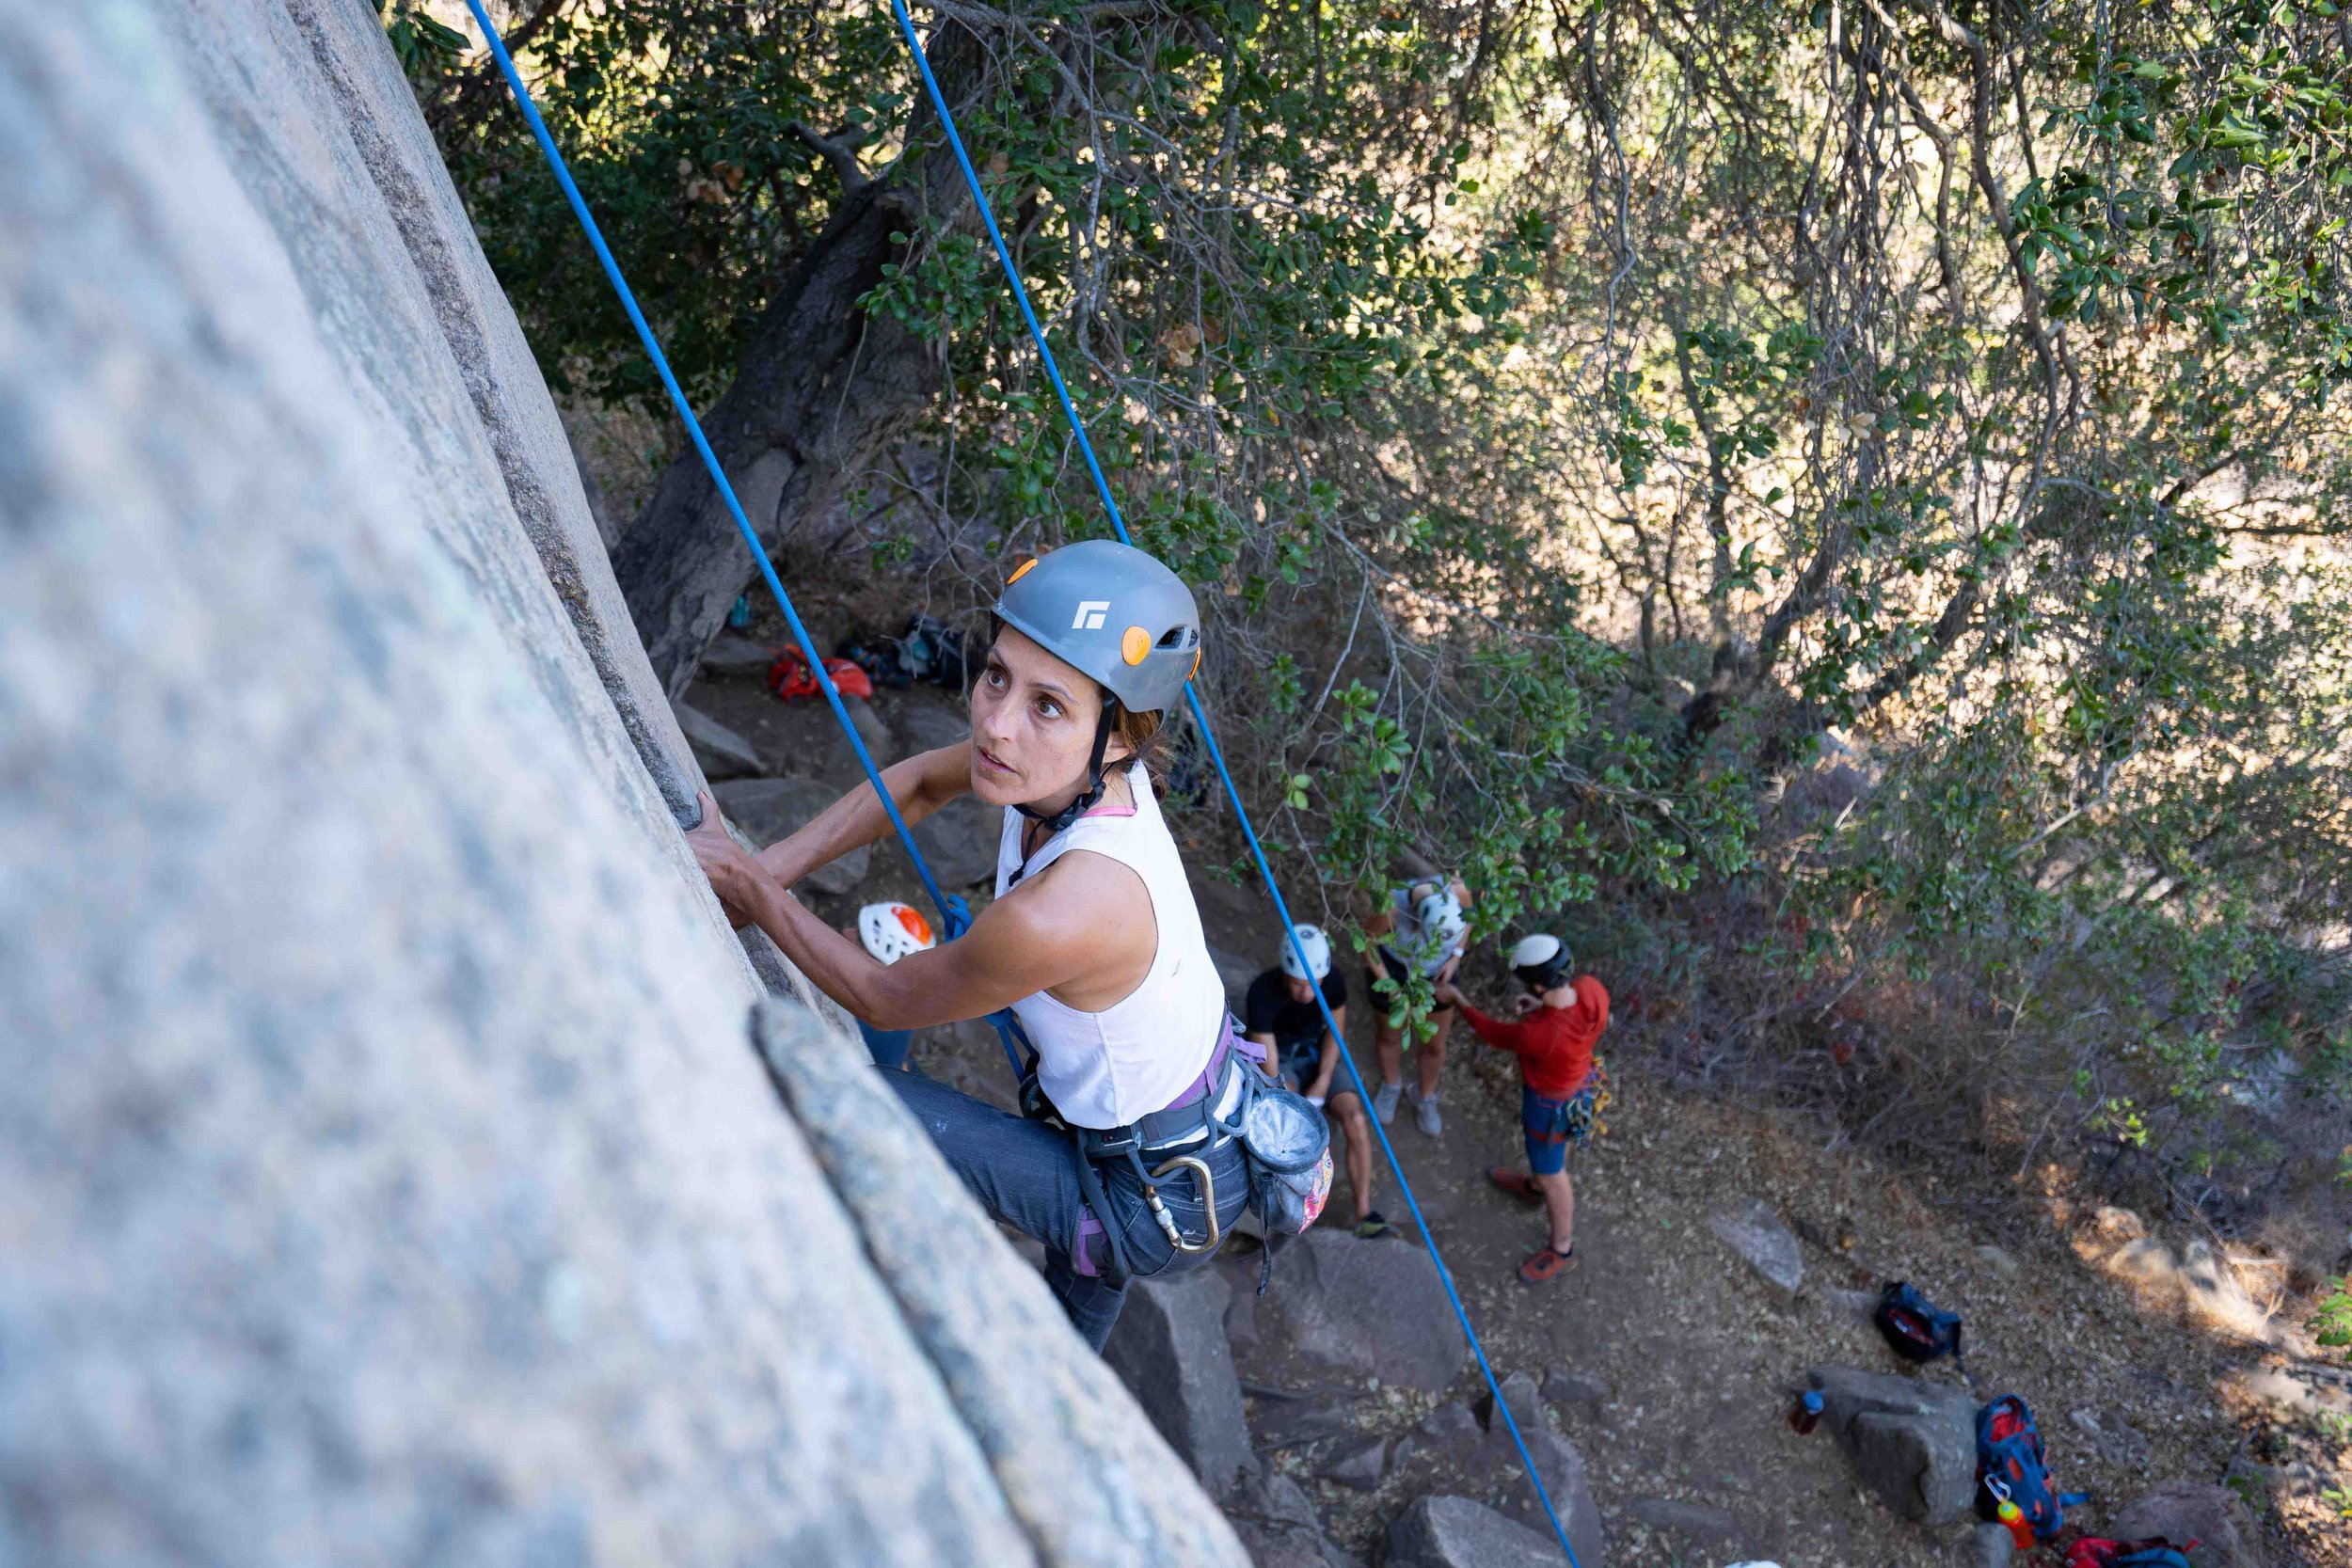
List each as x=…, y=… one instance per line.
x=1808, y=1414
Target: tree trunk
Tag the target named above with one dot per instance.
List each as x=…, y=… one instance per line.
x=822, y=389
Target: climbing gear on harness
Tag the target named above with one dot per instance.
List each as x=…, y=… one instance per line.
x=891, y=931
x=1541, y=962
x=1316, y=948
x=1113, y=614
x=951, y=910
x=1207, y=1178
x=1916, y=1328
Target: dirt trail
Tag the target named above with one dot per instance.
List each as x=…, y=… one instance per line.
x=1696, y=1354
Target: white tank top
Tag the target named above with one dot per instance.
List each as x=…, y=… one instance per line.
x=1135, y=1056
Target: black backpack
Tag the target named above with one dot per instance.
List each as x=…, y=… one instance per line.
x=1916, y=1328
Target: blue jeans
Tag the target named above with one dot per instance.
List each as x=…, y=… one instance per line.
x=888, y=1047
x=1025, y=1174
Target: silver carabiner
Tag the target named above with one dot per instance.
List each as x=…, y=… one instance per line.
x=1208, y=1197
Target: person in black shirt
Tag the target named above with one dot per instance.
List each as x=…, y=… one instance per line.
x=1282, y=1015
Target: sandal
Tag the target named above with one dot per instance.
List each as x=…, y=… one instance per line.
x=1547, y=1264
x=1516, y=1183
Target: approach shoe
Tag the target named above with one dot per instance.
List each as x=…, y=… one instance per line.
x=1516, y=1183
x=1372, y=1227
x=1547, y=1265
x=1425, y=1114
x=1384, y=1103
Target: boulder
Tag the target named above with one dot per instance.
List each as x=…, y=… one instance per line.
x=1911, y=1441
x=1565, y=1387
x=730, y=655
x=1169, y=1350
x=1755, y=1232
x=1360, y=1463
x=926, y=728
x=1455, y=1532
x=1561, y=1469
x=1520, y=1393
x=960, y=840
x=1237, y=972
x=1363, y=1307
x=770, y=809
x=1699, y=1522
x=881, y=744
x=722, y=753
x=2185, y=1511
x=1992, y=1545
x=1278, y=1525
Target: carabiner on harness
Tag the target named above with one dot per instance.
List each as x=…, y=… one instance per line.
x=1207, y=1178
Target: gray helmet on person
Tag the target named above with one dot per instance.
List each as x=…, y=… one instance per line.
x=1112, y=613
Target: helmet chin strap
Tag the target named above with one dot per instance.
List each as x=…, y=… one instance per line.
x=1089, y=797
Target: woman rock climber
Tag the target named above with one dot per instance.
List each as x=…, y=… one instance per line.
x=1093, y=939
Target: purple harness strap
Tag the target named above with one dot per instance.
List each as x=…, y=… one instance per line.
x=1228, y=1040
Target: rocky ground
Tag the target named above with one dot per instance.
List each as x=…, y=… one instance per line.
x=1722, y=1258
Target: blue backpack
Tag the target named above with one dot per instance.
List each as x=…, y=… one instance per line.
x=1916, y=1328
x=2011, y=1467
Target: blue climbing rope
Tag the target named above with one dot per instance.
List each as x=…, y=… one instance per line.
x=953, y=915
x=951, y=910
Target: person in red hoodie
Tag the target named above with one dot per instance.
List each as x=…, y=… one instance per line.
x=1556, y=1027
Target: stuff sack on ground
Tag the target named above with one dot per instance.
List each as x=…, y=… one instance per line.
x=1915, y=1327
x=2094, y=1551
x=790, y=678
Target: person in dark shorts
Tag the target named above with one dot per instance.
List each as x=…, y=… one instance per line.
x=1281, y=1014
x=1559, y=1021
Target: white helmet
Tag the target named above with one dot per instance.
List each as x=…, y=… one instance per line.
x=1541, y=961
x=891, y=931
x=1318, y=947
x=1440, y=917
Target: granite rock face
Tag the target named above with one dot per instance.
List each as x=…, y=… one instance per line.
x=386, y=1167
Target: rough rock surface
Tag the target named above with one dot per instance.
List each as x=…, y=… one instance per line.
x=1363, y=1307
x=385, y=1170
x=1457, y=1533
x=722, y=753
x=2185, y=1511
x=1557, y=1462
x=1911, y=1441
x=1755, y=1232
x=1169, y=1349
x=959, y=841
x=1280, y=1527
x=1992, y=1545
x=770, y=809
x=1702, y=1522
x=729, y=655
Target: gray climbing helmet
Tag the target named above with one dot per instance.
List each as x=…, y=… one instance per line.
x=1112, y=613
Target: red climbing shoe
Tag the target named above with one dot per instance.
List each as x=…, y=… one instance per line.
x=1547, y=1265
x=1516, y=1183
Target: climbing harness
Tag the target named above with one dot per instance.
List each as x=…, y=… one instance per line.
x=953, y=913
